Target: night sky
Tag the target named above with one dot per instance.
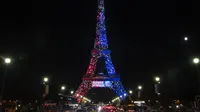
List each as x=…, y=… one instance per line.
x=55, y=38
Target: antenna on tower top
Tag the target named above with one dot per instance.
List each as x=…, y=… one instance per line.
x=101, y=38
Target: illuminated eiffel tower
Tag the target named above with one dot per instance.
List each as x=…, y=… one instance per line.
x=100, y=80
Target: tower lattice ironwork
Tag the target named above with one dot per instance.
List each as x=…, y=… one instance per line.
x=93, y=79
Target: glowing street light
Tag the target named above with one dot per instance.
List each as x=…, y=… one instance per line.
x=46, y=79
x=72, y=92
x=157, y=79
x=156, y=85
x=46, y=86
x=139, y=91
x=157, y=91
x=196, y=60
x=130, y=92
x=7, y=60
x=140, y=87
x=186, y=38
x=63, y=88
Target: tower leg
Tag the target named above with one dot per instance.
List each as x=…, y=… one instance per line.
x=120, y=91
x=109, y=65
x=82, y=90
x=92, y=66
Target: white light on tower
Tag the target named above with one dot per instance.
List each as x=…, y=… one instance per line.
x=196, y=60
x=7, y=60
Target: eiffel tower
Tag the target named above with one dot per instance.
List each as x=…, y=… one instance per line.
x=94, y=78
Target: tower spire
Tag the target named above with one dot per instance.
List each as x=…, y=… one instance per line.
x=101, y=39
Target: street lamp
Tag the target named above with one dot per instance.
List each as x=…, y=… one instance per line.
x=186, y=38
x=157, y=85
x=196, y=60
x=139, y=91
x=7, y=61
x=46, y=86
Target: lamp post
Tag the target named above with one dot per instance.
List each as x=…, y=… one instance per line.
x=196, y=62
x=139, y=91
x=46, y=85
x=130, y=95
x=7, y=61
x=156, y=85
x=62, y=89
x=139, y=95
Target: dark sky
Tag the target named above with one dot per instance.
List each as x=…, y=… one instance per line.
x=55, y=38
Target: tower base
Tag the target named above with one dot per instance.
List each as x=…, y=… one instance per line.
x=86, y=85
